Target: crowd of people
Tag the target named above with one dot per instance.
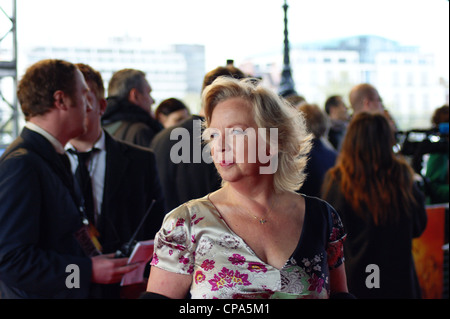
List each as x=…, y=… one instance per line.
x=256, y=196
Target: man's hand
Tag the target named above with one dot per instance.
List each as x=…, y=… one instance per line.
x=109, y=270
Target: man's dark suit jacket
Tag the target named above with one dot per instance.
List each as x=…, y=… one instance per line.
x=131, y=183
x=321, y=159
x=38, y=219
x=183, y=181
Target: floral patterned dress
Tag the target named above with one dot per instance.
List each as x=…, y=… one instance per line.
x=195, y=240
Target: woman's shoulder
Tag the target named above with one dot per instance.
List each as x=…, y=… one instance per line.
x=318, y=208
x=189, y=210
x=317, y=204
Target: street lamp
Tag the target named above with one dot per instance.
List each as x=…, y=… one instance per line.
x=287, y=86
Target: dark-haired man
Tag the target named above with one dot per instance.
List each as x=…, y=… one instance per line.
x=338, y=114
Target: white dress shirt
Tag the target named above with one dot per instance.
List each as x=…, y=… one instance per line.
x=56, y=144
x=96, y=168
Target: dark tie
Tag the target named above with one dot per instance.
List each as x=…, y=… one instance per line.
x=85, y=183
x=66, y=162
x=67, y=173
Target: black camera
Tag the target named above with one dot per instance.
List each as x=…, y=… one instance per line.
x=416, y=143
x=125, y=250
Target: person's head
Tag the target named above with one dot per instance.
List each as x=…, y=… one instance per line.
x=234, y=110
x=58, y=88
x=228, y=70
x=369, y=139
x=171, y=112
x=336, y=108
x=131, y=85
x=440, y=115
x=296, y=100
x=365, y=98
x=316, y=119
x=96, y=99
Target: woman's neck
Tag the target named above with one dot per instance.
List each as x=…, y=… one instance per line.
x=259, y=193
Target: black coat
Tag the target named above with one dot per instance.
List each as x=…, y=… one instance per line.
x=185, y=180
x=321, y=159
x=131, y=183
x=38, y=219
x=128, y=122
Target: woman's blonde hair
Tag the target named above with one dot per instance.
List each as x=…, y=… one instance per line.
x=270, y=111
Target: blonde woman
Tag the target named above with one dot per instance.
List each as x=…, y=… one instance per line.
x=255, y=237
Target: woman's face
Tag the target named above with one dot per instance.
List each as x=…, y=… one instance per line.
x=234, y=139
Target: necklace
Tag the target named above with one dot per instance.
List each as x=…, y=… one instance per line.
x=263, y=220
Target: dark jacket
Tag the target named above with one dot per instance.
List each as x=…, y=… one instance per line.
x=38, y=219
x=185, y=180
x=128, y=122
x=131, y=183
x=336, y=133
x=321, y=159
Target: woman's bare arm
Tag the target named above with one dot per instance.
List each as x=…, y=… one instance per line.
x=169, y=284
x=338, y=279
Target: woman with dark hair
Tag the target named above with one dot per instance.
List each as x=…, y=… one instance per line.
x=382, y=209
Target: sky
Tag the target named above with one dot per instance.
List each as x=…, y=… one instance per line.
x=233, y=29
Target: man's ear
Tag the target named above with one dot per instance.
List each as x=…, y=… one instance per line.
x=60, y=100
x=133, y=96
x=366, y=103
x=103, y=105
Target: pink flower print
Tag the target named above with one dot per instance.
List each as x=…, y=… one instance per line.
x=190, y=269
x=228, y=278
x=316, y=283
x=155, y=260
x=180, y=222
x=194, y=221
x=256, y=267
x=193, y=240
x=208, y=264
x=183, y=260
x=335, y=233
x=180, y=247
x=237, y=259
x=199, y=277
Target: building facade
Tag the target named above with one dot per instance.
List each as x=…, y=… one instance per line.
x=172, y=71
x=407, y=79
